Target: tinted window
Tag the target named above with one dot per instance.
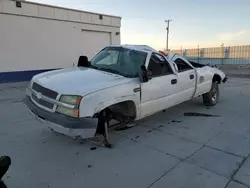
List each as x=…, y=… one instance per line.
x=158, y=66
x=182, y=65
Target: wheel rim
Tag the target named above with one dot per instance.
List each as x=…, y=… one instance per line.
x=214, y=95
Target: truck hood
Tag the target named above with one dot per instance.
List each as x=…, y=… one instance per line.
x=78, y=80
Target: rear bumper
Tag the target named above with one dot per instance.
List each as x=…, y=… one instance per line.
x=73, y=127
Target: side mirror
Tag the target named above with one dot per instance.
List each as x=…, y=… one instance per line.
x=144, y=75
x=149, y=74
x=83, y=61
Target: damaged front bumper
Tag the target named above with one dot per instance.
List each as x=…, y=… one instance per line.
x=225, y=79
x=73, y=127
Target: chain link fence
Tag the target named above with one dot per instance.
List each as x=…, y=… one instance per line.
x=217, y=55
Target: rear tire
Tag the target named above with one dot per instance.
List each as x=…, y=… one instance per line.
x=212, y=97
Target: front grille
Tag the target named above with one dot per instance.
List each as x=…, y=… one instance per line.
x=44, y=91
x=42, y=102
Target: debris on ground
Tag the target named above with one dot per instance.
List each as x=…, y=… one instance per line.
x=93, y=148
x=199, y=114
x=176, y=121
x=123, y=128
x=129, y=126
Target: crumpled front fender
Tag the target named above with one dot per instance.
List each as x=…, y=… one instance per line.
x=220, y=73
x=106, y=104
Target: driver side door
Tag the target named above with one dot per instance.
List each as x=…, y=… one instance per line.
x=159, y=92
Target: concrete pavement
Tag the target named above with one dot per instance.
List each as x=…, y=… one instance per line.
x=165, y=150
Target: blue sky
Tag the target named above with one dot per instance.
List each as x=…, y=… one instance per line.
x=205, y=23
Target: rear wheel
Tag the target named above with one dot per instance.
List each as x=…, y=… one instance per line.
x=211, y=98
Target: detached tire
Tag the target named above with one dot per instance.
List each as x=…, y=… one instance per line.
x=211, y=98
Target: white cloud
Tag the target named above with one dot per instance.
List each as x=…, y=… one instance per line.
x=195, y=44
x=237, y=38
x=240, y=37
x=156, y=42
x=232, y=35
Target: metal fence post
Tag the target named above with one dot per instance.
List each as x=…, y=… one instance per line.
x=198, y=54
x=222, y=54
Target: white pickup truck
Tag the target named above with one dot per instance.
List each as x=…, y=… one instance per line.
x=125, y=83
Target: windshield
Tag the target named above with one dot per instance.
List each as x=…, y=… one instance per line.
x=119, y=60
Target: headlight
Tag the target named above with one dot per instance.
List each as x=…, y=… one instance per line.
x=68, y=111
x=71, y=99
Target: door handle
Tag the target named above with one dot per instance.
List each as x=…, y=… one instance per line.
x=191, y=76
x=174, y=81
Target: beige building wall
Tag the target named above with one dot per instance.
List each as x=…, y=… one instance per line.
x=35, y=36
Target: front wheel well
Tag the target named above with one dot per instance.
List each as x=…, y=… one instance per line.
x=217, y=78
x=122, y=109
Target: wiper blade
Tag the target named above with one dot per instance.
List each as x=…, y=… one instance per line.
x=94, y=67
x=112, y=71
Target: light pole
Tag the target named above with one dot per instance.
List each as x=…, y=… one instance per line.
x=167, y=21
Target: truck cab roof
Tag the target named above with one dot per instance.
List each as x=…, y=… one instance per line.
x=142, y=48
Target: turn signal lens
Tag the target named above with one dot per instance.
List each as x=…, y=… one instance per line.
x=68, y=111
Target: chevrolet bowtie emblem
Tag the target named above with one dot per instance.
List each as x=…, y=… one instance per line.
x=39, y=95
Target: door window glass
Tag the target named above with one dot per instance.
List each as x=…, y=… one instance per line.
x=182, y=65
x=158, y=66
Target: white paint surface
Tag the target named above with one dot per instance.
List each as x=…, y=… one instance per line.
x=102, y=89
x=94, y=41
x=45, y=37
